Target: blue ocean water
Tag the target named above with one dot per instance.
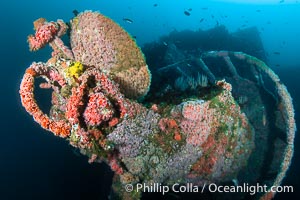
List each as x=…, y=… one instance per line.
x=36, y=165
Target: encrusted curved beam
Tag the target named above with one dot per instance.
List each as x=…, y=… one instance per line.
x=287, y=111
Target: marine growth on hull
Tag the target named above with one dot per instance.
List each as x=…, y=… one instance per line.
x=195, y=115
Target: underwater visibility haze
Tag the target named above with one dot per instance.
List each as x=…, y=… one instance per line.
x=150, y=99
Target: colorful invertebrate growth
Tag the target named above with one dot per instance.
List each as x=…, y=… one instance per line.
x=203, y=138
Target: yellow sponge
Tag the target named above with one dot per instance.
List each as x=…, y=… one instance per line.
x=75, y=69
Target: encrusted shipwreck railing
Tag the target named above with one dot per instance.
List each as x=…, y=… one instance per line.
x=285, y=102
x=202, y=139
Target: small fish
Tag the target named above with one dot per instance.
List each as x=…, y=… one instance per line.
x=190, y=9
x=155, y=5
x=268, y=22
x=217, y=23
x=258, y=10
x=75, y=12
x=201, y=20
x=225, y=16
x=187, y=13
x=166, y=44
x=204, y=8
x=212, y=16
x=282, y=1
x=276, y=52
x=244, y=25
x=264, y=119
x=127, y=20
x=277, y=65
x=134, y=37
